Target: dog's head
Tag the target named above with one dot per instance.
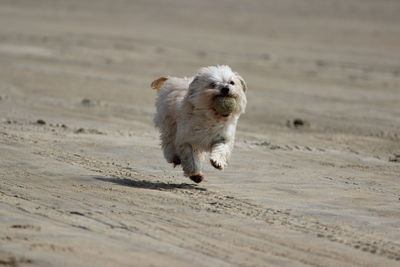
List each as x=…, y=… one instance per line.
x=214, y=81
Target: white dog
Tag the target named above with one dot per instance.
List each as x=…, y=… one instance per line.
x=189, y=126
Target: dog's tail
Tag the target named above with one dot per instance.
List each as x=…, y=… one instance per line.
x=157, y=84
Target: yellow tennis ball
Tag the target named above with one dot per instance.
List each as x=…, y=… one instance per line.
x=224, y=105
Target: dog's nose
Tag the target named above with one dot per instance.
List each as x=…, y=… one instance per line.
x=224, y=90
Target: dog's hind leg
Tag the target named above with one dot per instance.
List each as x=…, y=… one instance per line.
x=168, y=145
x=170, y=154
x=191, y=162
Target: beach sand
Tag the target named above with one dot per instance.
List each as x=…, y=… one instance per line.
x=314, y=176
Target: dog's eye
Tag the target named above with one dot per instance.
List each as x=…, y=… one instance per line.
x=232, y=83
x=212, y=85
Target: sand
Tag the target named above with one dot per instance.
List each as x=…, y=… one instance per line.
x=314, y=178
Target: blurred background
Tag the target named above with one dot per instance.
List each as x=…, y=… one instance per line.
x=332, y=63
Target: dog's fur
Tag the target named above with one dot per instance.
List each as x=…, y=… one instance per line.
x=189, y=126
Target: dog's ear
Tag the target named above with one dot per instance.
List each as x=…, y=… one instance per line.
x=244, y=85
x=193, y=84
x=157, y=84
x=195, y=80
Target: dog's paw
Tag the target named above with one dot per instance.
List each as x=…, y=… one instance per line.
x=176, y=161
x=218, y=164
x=197, y=178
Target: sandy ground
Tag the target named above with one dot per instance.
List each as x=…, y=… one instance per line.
x=82, y=178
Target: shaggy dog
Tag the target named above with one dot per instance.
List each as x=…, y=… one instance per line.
x=189, y=125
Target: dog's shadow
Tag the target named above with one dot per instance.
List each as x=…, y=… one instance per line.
x=162, y=186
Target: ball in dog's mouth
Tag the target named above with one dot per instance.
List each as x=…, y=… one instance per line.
x=224, y=105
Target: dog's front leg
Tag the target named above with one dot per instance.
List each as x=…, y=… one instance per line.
x=220, y=154
x=191, y=163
